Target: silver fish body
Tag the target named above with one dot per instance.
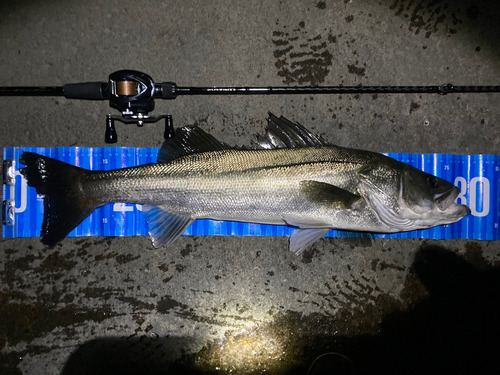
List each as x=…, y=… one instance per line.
x=261, y=186
x=306, y=183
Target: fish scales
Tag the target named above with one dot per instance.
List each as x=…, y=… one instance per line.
x=295, y=178
x=232, y=183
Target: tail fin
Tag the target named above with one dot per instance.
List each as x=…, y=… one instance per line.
x=64, y=208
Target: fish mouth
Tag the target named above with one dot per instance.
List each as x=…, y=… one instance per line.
x=444, y=200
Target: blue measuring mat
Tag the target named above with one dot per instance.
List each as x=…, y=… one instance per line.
x=477, y=176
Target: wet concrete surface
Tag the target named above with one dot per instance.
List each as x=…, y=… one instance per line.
x=245, y=304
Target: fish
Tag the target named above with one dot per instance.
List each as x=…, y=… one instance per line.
x=288, y=176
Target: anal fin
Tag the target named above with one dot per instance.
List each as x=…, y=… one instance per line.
x=164, y=227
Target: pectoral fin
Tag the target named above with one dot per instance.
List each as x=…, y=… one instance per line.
x=301, y=239
x=164, y=227
x=328, y=195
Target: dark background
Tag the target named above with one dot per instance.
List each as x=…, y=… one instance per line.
x=239, y=304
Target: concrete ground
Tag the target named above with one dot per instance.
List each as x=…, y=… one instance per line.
x=245, y=304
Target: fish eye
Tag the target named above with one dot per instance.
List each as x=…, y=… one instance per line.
x=432, y=181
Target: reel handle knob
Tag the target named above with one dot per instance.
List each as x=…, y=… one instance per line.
x=169, y=127
x=110, y=136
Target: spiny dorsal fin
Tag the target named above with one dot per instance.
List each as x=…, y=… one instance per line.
x=282, y=133
x=189, y=140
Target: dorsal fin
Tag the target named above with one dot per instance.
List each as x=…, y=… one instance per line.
x=189, y=140
x=282, y=133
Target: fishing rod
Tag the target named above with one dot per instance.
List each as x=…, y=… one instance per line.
x=133, y=93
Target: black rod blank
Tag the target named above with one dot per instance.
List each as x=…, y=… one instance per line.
x=269, y=90
x=443, y=89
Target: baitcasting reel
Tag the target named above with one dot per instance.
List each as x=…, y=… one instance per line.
x=130, y=92
x=133, y=94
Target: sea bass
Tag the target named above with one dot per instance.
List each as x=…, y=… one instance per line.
x=289, y=177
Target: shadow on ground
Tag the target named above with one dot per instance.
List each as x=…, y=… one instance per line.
x=454, y=330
